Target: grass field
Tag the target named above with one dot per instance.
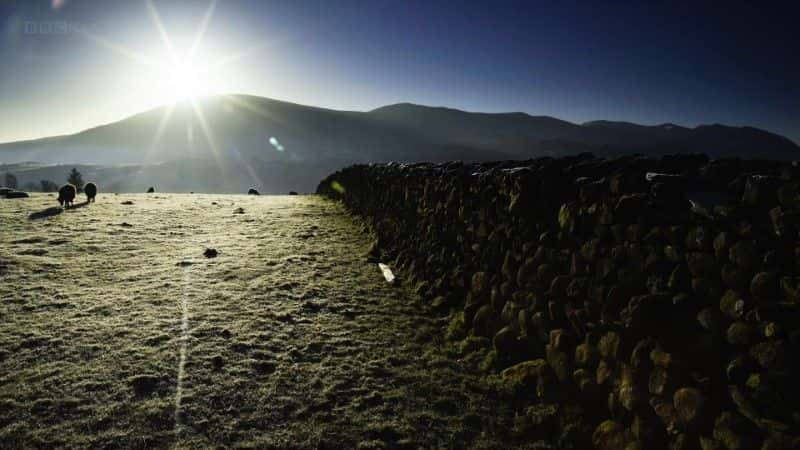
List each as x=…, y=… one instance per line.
x=117, y=332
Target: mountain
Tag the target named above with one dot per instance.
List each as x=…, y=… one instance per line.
x=228, y=143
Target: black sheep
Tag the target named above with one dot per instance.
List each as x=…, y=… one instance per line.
x=66, y=195
x=91, y=192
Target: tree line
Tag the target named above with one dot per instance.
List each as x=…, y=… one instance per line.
x=74, y=177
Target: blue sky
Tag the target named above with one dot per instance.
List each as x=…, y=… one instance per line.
x=70, y=65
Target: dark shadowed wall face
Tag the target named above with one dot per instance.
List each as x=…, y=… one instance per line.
x=69, y=65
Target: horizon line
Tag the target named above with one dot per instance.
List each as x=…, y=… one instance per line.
x=234, y=94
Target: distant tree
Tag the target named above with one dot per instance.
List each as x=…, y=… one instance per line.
x=76, y=179
x=48, y=186
x=11, y=180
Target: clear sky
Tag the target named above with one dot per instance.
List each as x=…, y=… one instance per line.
x=67, y=65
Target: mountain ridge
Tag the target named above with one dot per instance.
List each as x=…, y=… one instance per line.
x=249, y=137
x=418, y=106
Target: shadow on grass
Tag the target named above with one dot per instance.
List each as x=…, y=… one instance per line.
x=78, y=205
x=55, y=210
x=49, y=212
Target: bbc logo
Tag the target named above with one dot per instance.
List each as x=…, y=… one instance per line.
x=52, y=27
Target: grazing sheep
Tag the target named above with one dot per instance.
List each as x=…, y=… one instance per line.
x=91, y=192
x=252, y=192
x=151, y=190
x=66, y=195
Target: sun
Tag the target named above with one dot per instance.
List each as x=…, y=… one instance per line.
x=184, y=80
x=173, y=73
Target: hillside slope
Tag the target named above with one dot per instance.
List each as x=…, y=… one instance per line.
x=259, y=141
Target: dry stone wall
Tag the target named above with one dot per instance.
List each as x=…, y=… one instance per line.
x=631, y=303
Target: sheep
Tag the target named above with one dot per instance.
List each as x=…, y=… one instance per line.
x=66, y=195
x=91, y=192
x=151, y=190
x=252, y=191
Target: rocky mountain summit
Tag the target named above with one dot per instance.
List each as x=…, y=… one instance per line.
x=629, y=303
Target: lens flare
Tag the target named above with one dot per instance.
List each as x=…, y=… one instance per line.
x=275, y=143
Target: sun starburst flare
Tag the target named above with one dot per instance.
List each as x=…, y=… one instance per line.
x=184, y=76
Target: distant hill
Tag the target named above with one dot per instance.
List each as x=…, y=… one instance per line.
x=279, y=146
